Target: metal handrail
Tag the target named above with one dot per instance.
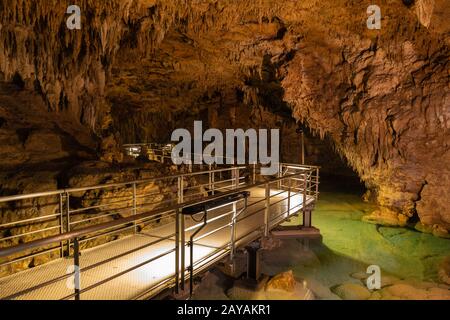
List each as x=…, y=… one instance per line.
x=4, y=252
x=65, y=214
x=109, y=185
x=75, y=235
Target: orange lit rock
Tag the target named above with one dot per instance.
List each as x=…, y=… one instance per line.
x=284, y=281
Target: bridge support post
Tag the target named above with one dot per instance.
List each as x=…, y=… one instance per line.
x=307, y=216
x=253, y=261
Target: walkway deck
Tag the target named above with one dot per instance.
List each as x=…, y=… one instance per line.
x=140, y=282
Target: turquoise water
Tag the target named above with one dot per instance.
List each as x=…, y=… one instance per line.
x=403, y=252
x=349, y=246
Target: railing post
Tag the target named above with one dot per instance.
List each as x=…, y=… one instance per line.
x=236, y=178
x=180, y=189
x=254, y=173
x=134, y=206
x=177, y=250
x=317, y=184
x=68, y=220
x=61, y=222
x=76, y=262
x=233, y=232
x=181, y=231
x=210, y=187
x=280, y=174
x=183, y=251
x=213, y=182
x=289, y=197
x=305, y=214
x=267, y=211
x=305, y=181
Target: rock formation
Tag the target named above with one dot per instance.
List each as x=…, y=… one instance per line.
x=139, y=67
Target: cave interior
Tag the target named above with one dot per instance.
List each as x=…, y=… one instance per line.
x=370, y=107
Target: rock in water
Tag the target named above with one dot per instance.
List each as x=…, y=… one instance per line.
x=444, y=271
x=351, y=291
x=284, y=281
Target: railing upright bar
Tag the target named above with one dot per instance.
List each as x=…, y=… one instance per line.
x=213, y=182
x=317, y=185
x=267, y=210
x=233, y=232
x=289, y=197
x=209, y=178
x=182, y=233
x=280, y=174
x=191, y=244
x=177, y=250
x=183, y=251
x=61, y=222
x=305, y=220
x=76, y=263
x=68, y=221
x=134, y=206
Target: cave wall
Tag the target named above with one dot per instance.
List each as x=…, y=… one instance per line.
x=384, y=99
x=381, y=96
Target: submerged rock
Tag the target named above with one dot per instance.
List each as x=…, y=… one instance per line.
x=284, y=281
x=351, y=291
x=282, y=286
x=444, y=271
x=386, y=217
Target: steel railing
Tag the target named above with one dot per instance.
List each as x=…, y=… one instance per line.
x=292, y=180
x=100, y=203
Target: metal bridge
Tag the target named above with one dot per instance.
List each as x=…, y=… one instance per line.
x=133, y=240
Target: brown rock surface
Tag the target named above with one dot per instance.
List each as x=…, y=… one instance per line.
x=351, y=291
x=444, y=271
x=284, y=281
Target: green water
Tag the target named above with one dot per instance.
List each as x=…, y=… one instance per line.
x=349, y=246
x=403, y=252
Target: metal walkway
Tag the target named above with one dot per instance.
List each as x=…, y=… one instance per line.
x=145, y=261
